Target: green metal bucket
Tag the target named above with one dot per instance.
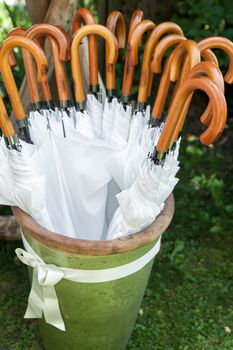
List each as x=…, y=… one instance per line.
x=98, y=316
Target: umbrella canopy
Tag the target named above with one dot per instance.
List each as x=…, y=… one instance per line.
x=143, y=201
x=20, y=183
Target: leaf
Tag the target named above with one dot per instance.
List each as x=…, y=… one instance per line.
x=179, y=247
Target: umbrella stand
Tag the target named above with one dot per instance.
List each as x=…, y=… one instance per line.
x=95, y=315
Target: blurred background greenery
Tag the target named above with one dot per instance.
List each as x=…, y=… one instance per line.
x=189, y=300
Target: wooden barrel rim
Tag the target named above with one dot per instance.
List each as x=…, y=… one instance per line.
x=93, y=247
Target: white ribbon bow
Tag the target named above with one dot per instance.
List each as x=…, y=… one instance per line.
x=43, y=298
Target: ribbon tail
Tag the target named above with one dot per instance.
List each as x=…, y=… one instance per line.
x=35, y=299
x=51, y=308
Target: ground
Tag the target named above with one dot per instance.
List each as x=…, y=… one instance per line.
x=189, y=300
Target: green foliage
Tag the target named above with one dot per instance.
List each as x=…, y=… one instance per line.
x=203, y=18
x=9, y=17
x=211, y=184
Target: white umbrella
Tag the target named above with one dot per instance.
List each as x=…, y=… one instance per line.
x=45, y=159
x=20, y=183
x=142, y=202
x=125, y=127
x=140, y=133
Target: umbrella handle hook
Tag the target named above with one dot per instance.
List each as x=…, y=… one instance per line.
x=156, y=66
x=60, y=44
x=85, y=15
x=29, y=70
x=146, y=77
x=116, y=24
x=219, y=109
x=224, y=44
x=75, y=59
x=136, y=18
x=42, y=67
x=210, y=70
x=134, y=41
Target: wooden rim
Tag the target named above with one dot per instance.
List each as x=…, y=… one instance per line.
x=105, y=247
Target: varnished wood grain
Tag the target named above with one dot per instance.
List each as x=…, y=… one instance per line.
x=85, y=15
x=116, y=24
x=75, y=59
x=42, y=64
x=134, y=42
x=219, y=108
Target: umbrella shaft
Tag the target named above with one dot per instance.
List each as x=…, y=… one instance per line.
x=35, y=106
x=12, y=142
x=111, y=92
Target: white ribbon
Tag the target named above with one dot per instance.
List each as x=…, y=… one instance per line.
x=43, y=298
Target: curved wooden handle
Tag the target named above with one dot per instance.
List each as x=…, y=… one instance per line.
x=12, y=59
x=152, y=41
x=218, y=42
x=219, y=108
x=156, y=64
x=116, y=25
x=75, y=59
x=82, y=15
x=5, y=123
x=60, y=74
x=146, y=77
x=28, y=66
x=136, y=18
x=136, y=38
x=42, y=66
x=162, y=91
x=134, y=41
x=35, y=50
x=160, y=50
x=210, y=70
x=45, y=29
x=189, y=47
x=60, y=45
x=85, y=15
x=208, y=55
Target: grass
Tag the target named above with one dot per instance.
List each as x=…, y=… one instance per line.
x=189, y=300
